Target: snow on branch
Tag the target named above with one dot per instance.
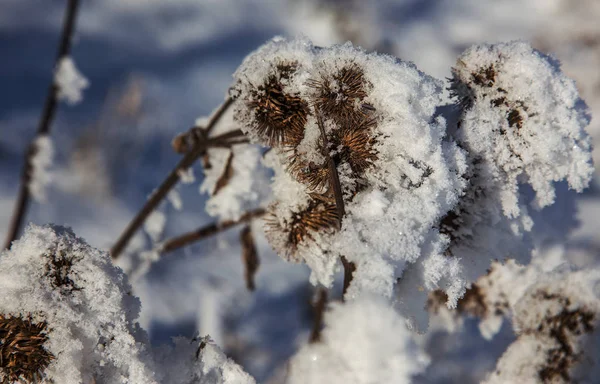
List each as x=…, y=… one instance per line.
x=70, y=81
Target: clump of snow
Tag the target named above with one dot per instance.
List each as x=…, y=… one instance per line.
x=55, y=277
x=41, y=162
x=186, y=175
x=175, y=199
x=70, y=81
x=236, y=185
x=155, y=225
x=364, y=341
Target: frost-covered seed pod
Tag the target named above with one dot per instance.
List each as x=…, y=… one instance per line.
x=278, y=115
x=23, y=355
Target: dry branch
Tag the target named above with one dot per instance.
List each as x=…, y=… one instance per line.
x=45, y=124
x=188, y=159
x=207, y=231
x=319, y=311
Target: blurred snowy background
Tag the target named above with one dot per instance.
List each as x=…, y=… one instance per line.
x=155, y=66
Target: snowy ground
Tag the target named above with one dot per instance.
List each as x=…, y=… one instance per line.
x=154, y=67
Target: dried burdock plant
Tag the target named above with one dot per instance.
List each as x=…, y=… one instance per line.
x=340, y=96
x=225, y=176
x=23, y=356
x=555, y=317
x=352, y=172
x=319, y=216
x=88, y=323
x=279, y=115
x=59, y=269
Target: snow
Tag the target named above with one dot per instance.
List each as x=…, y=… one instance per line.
x=245, y=184
x=41, y=162
x=356, y=347
x=186, y=52
x=69, y=81
x=155, y=225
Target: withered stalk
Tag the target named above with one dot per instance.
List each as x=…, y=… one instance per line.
x=188, y=160
x=207, y=231
x=319, y=310
x=44, y=126
x=349, y=267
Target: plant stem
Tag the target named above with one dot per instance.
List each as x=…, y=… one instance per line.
x=349, y=267
x=319, y=310
x=45, y=123
x=173, y=177
x=209, y=230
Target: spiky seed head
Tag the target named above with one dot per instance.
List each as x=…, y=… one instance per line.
x=59, y=270
x=22, y=353
x=319, y=216
x=314, y=175
x=340, y=95
x=357, y=146
x=280, y=117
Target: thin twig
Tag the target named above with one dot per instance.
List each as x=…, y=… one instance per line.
x=318, y=311
x=173, y=177
x=45, y=123
x=209, y=230
x=249, y=256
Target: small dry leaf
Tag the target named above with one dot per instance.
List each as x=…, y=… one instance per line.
x=225, y=176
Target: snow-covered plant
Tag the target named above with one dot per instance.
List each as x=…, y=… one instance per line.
x=366, y=125
x=555, y=316
x=369, y=168
x=521, y=123
x=199, y=362
x=66, y=314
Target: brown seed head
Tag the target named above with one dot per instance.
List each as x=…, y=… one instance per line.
x=22, y=353
x=280, y=117
x=339, y=96
x=59, y=270
x=320, y=215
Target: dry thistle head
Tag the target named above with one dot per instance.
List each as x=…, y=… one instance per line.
x=319, y=216
x=355, y=145
x=279, y=116
x=339, y=95
x=59, y=270
x=22, y=353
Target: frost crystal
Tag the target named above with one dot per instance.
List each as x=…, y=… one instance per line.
x=70, y=81
x=52, y=280
x=364, y=341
